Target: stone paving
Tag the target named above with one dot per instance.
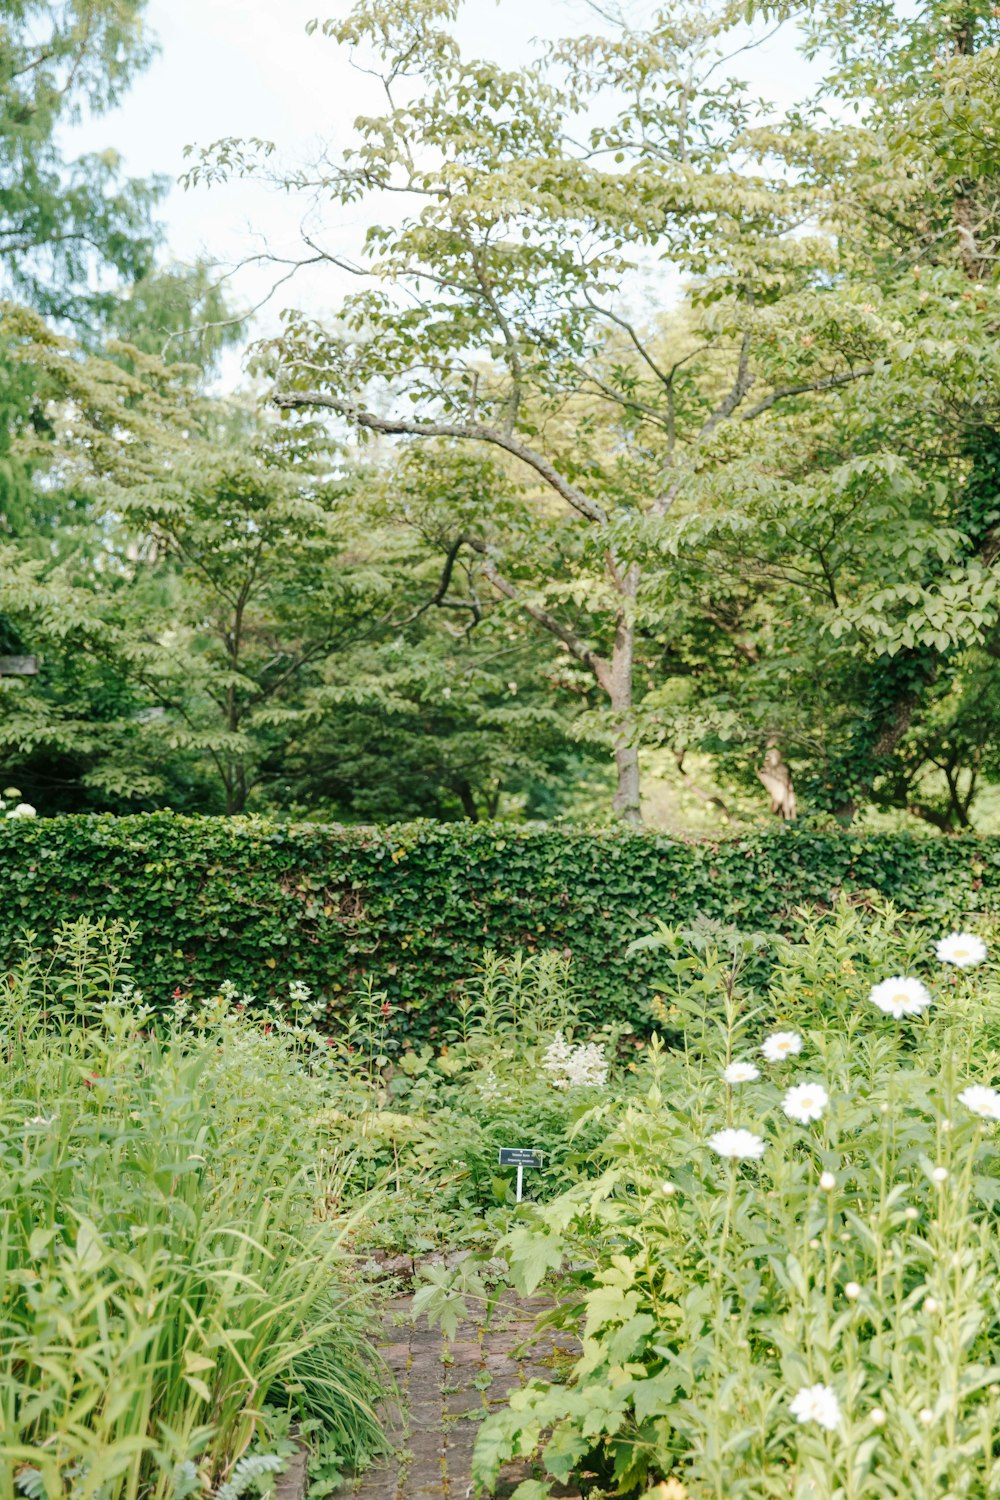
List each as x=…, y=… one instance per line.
x=445, y=1389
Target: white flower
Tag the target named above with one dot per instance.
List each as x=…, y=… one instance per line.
x=737, y=1144
x=668, y=1189
x=912, y=1213
x=877, y=1416
x=22, y=810
x=298, y=993
x=852, y=1291
x=741, y=1072
x=488, y=1086
x=581, y=1066
x=961, y=948
x=930, y=1305
x=900, y=997
x=816, y=1403
x=828, y=1182
x=782, y=1044
x=939, y=1175
x=925, y=1415
x=805, y=1102
x=981, y=1100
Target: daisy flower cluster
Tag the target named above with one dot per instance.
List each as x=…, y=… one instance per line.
x=20, y=809
x=574, y=1067
x=803, y=1102
x=901, y=997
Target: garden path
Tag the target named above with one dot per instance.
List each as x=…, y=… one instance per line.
x=445, y=1390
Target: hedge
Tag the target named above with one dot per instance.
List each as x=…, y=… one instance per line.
x=413, y=906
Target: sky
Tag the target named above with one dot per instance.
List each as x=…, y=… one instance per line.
x=248, y=68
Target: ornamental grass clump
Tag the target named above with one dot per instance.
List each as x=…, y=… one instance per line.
x=785, y=1285
x=165, y=1266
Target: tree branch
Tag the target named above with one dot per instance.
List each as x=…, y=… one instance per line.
x=473, y=432
x=826, y=384
x=577, y=647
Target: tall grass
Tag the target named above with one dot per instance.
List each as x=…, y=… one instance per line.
x=164, y=1269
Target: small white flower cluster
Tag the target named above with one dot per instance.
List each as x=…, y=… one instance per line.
x=803, y=1102
x=20, y=809
x=573, y=1067
x=899, y=997
x=488, y=1086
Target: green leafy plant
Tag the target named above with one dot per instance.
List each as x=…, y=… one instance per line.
x=412, y=907
x=783, y=1273
x=167, y=1264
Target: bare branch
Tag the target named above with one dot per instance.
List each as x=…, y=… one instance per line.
x=827, y=383
x=473, y=432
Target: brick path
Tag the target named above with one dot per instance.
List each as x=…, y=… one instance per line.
x=445, y=1390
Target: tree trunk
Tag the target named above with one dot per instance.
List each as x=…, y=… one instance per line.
x=619, y=688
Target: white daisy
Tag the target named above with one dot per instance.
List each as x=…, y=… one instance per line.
x=816, y=1403
x=782, y=1044
x=736, y=1144
x=741, y=1072
x=900, y=997
x=805, y=1102
x=982, y=1101
x=961, y=948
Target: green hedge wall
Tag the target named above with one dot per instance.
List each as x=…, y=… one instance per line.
x=413, y=906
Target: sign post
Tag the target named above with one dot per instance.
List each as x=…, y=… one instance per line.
x=18, y=666
x=520, y=1157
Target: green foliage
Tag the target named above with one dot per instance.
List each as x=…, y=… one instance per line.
x=167, y=1263
x=418, y=1131
x=857, y=1253
x=62, y=224
x=412, y=906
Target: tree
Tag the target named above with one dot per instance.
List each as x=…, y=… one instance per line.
x=496, y=314
x=262, y=585
x=64, y=223
x=870, y=535
x=459, y=707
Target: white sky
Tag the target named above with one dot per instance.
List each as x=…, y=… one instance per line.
x=247, y=67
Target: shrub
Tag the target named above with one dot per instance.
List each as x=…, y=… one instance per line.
x=411, y=908
x=419, y=1132
x=786, y=1285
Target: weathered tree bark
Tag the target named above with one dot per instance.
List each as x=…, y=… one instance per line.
x=619, y=689
x=614, y=675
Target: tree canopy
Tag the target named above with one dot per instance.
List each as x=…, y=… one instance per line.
x=661, y=425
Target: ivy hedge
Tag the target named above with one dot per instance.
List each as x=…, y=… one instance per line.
x=413, y=906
